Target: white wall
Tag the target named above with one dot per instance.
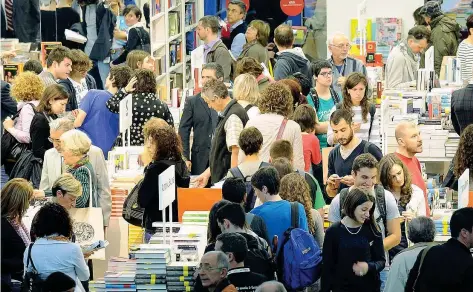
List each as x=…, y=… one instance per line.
x=340, y=12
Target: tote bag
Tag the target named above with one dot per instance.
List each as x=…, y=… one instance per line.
x=88, y=224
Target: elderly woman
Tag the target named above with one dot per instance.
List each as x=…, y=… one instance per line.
x=256, y=35
x=275, y=104
x=246, y=92
x=421, y=232
x=66, y=189
x=74, y=148
x=15, y=197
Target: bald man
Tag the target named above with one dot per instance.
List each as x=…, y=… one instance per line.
x=409, y=144
x=271, y=286
x=342, y=65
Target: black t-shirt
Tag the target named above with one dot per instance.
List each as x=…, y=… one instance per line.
x=245, y=280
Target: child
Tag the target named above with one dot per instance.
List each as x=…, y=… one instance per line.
x=304, y=115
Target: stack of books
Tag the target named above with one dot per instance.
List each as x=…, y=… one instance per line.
x=119, y=196
x=196, y=217
x=151, y=266
x=97, y=285
x=179, y=276
x=441, y=219
x=120, y=275
x=451, y=145
x=433, y=138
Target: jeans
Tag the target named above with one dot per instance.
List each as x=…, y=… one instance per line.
x=383, y=277
x=104, y=68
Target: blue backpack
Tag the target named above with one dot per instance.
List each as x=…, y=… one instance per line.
x=300, y=258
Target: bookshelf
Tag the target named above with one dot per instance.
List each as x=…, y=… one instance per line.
x=172, y=21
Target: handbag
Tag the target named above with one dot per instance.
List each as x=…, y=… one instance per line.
x=88, y=224
x=132, y=213
x=32, y=282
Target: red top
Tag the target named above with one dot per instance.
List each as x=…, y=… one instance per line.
x=311, y=146
x=413, y=165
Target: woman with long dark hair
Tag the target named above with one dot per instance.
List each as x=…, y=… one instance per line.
x=464, y=156
x=353, y=249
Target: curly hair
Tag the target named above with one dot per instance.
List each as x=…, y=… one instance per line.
x=250, y=141
x=248, y=65
x=294, y=188
x=464, y=155
x=52, y=219
x=295, y=88
x=276, y=99
x=385, y=166
x=120, y=75
x=353, y=80
x=27, y=86
x=168, y=144
x=80, y=62
x=245, y=88
x=145, y=81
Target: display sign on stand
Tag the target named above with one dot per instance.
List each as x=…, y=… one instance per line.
x=126, y=117
x=464, y=189
x=167, y=195
x=292, y=7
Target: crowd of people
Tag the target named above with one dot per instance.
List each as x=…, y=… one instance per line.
x=263, y=139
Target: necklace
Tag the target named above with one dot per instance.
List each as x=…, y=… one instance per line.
x=352, y=233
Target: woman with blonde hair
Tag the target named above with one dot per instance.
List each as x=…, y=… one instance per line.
x=66, y=189
x=294, y=188
x=15, y=197
x=246, y=92
x=138, y=59
x=27, y=88
x=74, y=148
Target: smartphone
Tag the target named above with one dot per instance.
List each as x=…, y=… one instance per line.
x=95, y=246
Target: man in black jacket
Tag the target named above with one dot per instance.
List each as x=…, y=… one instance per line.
x=9, y=106
x=236, y=248
x=199, y=117
x=447, y=267
x=462, y=107
x=236, y=12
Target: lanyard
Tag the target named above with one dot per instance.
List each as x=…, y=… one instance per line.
x=240, y=270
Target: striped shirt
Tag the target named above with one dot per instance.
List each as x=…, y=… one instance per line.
x=465, y=55
x=85, y=177
x=363, y=132
x=47, y=78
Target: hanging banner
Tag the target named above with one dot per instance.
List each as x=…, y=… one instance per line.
x=292, y=7
x=247, y=3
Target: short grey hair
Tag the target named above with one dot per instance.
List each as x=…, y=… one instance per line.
x=271, y=286
x=218, y=69
x=240, y=4
x=222, y=259
x=335, y=34
x=421, y=229
x=215, y=89
x=62, y=124
x=76, y=141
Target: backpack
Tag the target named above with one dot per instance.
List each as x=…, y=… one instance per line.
x=380, y=204
x=248, y=107
x=372, y=113
x=32, y=282
x=311, y=182
x=250, y=192
x=299, y=258
x=132, y=213
x=258, y=259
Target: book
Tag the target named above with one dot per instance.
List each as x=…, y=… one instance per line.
x=10, y=71
x=190, y=18
x=151, y=287
x=146, y=261
x=182, y=266
x=179, y=279
x=46, y=48
x=118, y=286
x=149, y=276
x=119, y=277
x=150, y=281
x=173, y=23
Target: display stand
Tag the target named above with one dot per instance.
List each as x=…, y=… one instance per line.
x=186, y=199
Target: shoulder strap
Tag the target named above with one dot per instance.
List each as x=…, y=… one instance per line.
x=335, y=97
x=281, y=129
x=33, y=107
x=248, y=107
x=236, y=172
x=338, y=106
x=343, y=195
x=354, y=65
x=139, y=36
x=250, y=218
x=264, y=164
x=422, y=257
x=372, y=114
x=30, y=259
x=366, y=149
x=294, y=215
x=381, y=203
x=91, y=195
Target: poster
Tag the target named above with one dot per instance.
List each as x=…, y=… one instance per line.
x=388, y=31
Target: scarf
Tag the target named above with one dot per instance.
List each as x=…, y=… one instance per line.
x=84, y=160
x=21, y=230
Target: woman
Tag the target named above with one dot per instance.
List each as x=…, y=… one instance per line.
x=395, y=177
x=256, y=35
x=366, y=122
x=464, y=156
x=138, y=37
x=15, y=197
x=246, y=92
x=79, y=82
x=295, y=189
x=465, y=53
x=353, y=248
x=251, y=66
x=213, y=229
x=28, y=89
x=74, y=148
x=53, y=250
x=138, y=59
x=66, y=189
x=165, y=148
x=296, y=89
x=275, y=104
x=52, y=103
x=146, y=103
x=322, y=98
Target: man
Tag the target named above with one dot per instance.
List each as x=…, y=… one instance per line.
x=235, y=247
x=364, y=174
x=271, y=286
x=342, y=65
x=59, y=66
x=421, y=232
x=445, y=32
x=53, y=167
x=9, y=105
x=234, y=190
x=236, y=13
x=449, y=266
x=232, y=119
x=462, y=107
x=26, y=21
x=215, y=50
x=402, y=63
x=290, y=60
x=409, y=143
x=283, y=148
x=197, y=116
x=213, y=270
x=340, y=159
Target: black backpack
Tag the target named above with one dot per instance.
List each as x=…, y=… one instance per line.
x=380, y=204
x=132, y=213
x=250, y=192
x=32, y=282
x=372, y=112
x=258, y=259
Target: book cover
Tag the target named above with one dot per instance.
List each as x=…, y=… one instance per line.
x=179, y=279
x=151, y=287
x=150, y=276
x=389, y=31
x=173, y=23
x=46, y=48
x=150, y=281
x=10, y=71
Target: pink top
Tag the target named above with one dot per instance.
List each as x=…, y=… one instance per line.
x=21, y=129
x=311, y=146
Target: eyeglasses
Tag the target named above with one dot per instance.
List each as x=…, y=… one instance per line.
x=342, y=46
x=207, y=268
x=326, y=74
x=54, y=140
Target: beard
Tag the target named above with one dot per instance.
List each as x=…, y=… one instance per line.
x=346, y=141
x=415, y=149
